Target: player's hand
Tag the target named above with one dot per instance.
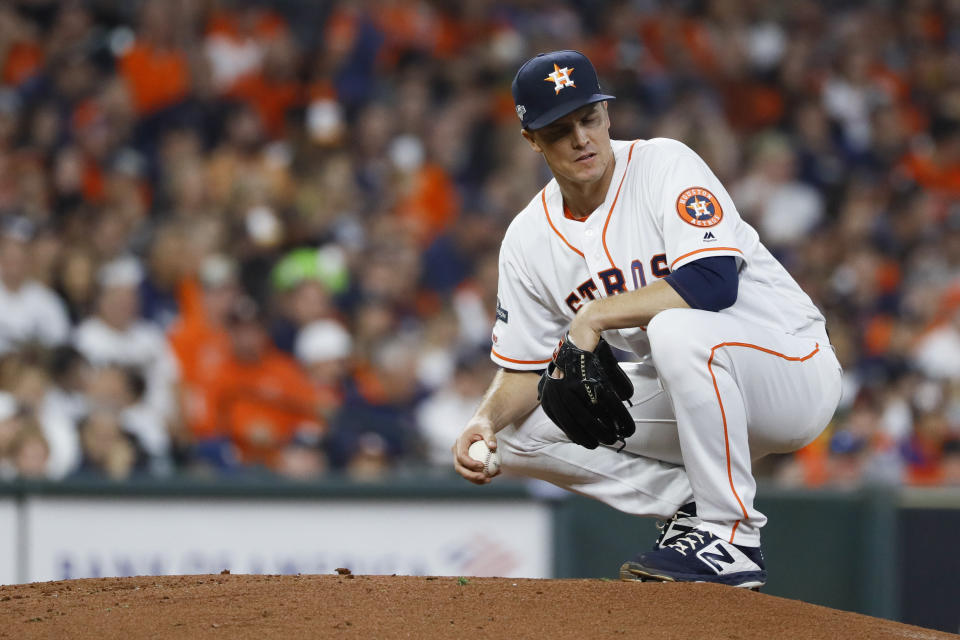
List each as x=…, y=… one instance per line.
x=581, y=331
x=472, y=470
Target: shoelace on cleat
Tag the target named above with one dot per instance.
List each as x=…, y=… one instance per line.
x=679, y=547
x=663, y=526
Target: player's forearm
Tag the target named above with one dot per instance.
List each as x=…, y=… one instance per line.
x=623, y=311
x=510, y=397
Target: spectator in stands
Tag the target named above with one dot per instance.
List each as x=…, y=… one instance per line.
x=261, y=399
x=324, y=349
x=25, y=376
x=303, y=458
x=30, y=453
x=783, y=209
x=75, y=280
x=200, y=340
x=115, y=335
x=370, y=458
x=453, y=403
x=108, y=451
x=154, y=66
x=236, y=39
x=24, y=451
x=243, y=176
x=274, y=89
x=70, y=379
x=305, y=281
x=121, y=391
x=167, y=265
x=937, y=352
x=29, y=311
x=65, y=404
x=377, y=423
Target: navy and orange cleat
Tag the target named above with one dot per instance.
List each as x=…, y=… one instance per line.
x=699, y=556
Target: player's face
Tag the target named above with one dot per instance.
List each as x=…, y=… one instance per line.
x=576, y=146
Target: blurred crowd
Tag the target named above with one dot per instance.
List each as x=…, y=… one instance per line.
x=241, y=236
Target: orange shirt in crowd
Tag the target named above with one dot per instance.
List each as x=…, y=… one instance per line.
x=201, y=350
x=23, y=60
x=932, y=175
x=261, y=405
x=157, y=78
x=813, y=460
x=271, y=100
x=407, y=26
x=431, y=203
x=669, y=36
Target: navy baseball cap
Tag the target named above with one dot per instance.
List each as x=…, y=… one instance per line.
x=551, y=85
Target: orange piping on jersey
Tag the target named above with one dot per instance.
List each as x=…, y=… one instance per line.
x=723, y=415
x=520, y=361
x=615, y=198
x=687, y=255
x=543, y=197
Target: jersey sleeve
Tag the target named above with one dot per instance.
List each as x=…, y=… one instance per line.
x=525, y=332
x=699, y=217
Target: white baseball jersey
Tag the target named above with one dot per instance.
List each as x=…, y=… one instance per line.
x=755, y=378
x=664, y=209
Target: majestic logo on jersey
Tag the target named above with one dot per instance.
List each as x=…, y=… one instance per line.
x=521, y=110
x=502, y=314
x=699, y=207
x=709, y=237
x=560, y=78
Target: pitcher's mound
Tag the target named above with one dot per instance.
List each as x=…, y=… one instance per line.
x=347, y=606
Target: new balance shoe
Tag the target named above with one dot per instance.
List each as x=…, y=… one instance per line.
x=699, y=556
x=684, y=520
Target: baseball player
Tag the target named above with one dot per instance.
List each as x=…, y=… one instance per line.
x=637, y=244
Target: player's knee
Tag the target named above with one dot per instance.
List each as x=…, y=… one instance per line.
x=675, y=335
x=674, y=328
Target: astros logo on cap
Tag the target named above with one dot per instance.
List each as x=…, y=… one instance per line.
x=699, y=207
x=560, y=77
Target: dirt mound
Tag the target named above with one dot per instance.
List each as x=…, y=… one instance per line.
x=347, y=606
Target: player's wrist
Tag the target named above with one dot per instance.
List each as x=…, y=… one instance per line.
x=586, y=327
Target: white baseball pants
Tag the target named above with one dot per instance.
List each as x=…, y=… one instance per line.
x=719, y=394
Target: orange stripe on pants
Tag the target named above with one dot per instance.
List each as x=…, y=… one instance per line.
x=723, y=415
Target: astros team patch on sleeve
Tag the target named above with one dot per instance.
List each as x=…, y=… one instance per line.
x=699, y=207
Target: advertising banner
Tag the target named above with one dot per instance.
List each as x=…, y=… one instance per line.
x=88, y=537
x=8, y=542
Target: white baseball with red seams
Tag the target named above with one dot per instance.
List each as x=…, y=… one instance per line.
x=481, y=453
x=716, y=390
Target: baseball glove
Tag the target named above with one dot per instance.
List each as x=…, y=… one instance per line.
x=587, y=401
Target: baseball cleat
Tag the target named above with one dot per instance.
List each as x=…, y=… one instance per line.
x=699, y=556
x=684, y=520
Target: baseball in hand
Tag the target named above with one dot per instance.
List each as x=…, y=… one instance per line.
x=490, y=459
